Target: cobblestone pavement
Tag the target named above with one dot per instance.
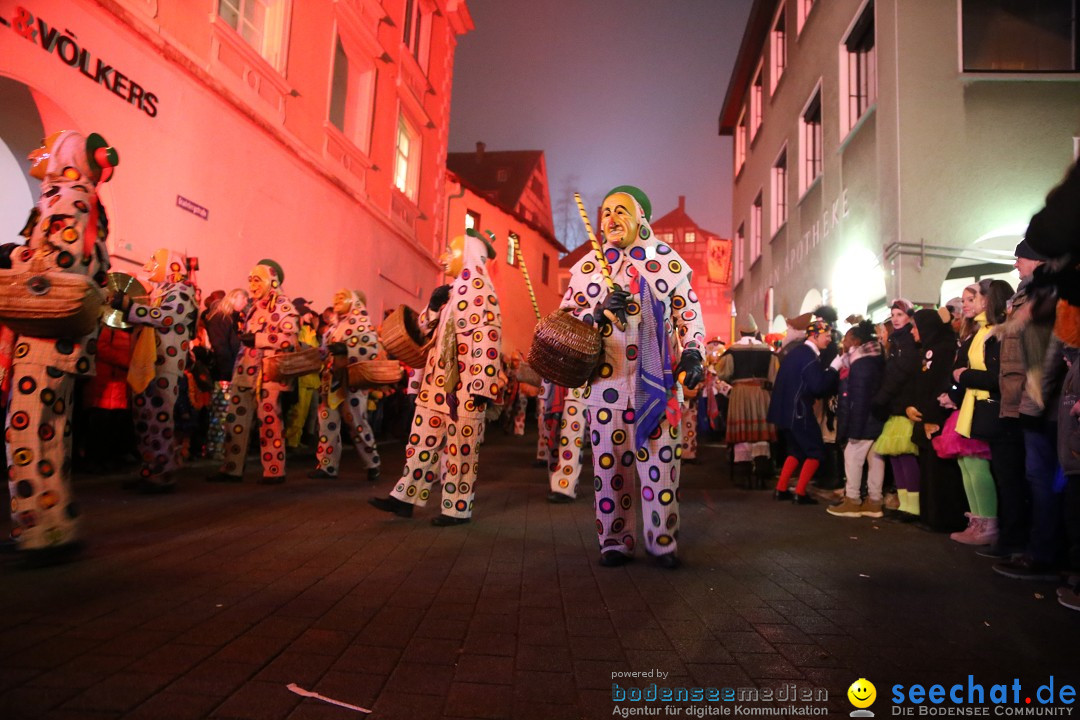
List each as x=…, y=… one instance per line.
x=209, y=602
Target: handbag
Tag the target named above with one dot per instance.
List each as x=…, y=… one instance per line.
x=46, y=303
x=986, y=419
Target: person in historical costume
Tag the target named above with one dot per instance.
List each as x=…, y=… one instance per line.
x=459, y=379
x=66, y=232
x=567, y=414
x=750, y=367
x=802, y=379
x=164, y=322
x=632, y=402
x=271, y=327
x=351, y=338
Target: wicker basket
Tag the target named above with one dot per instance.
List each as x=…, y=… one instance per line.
x=565, y=350
x=285, y=366
x=46, y=303
x=401, y=336
x=373, y=373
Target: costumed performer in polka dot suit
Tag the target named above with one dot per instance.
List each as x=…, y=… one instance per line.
x=271, y=327
x=460, y=378
x=632, y=402
x=165, y=321
x=567, y=439
x=67, y=230
x=351, y=338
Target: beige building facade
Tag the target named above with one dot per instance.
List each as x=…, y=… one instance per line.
x=892, y=148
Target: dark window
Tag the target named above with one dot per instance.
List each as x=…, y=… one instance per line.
x=1020, y=35
x=545, y=268
x=812, y=140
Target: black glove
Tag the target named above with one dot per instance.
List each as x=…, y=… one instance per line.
x=690, y=363
x=615, y=303
x=5, y=254
x=479, y=402
x=338, y=348
x=248, y=339
x=118, y=301
x=439, y=296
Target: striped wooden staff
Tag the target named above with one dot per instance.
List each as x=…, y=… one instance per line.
x=605, y=269
x=524, y=272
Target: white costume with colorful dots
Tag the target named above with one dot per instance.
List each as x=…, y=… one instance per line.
x=463, y=363
x=68, y=230
x=569, y=442
x=275, y=323
x=663, y=306
x=169, y=314
x=338, y=403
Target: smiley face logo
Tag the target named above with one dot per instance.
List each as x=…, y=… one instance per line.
x=862, y=694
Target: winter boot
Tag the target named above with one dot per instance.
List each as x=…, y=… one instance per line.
x=987, y=533
x=964, y=536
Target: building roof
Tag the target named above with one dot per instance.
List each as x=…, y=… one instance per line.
x=570, y=260
x=753, y=41
x=537, y=227
x=678, y=218
x=481, y=169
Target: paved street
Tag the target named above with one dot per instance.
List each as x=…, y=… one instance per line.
x=209, y=602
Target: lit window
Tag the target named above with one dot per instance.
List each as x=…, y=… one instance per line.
x=667, y=237
x=407, y=160
x=690, y=236
x=472, y=220
x=779, y=190
x=352, y=97
x=417, y=35
x=810, y=126
x=740, y=143
x=858, y=51
x=512, y=241
x=757, y=91
x=545, y=269
x=1012, y=36
x=262, y=25
x=804, y=8
x=740, y=248
x=778, y=49
x=502, y=174
x=755, y=229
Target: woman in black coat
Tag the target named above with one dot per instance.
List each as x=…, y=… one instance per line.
x=942, y=499
x=897, y=392
x=223, y=331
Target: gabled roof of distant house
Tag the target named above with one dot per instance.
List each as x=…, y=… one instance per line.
x=576, y=254
x=481, y=169
x=540, y=229
x=678, y=218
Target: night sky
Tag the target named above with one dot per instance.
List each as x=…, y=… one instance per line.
x=613, y=92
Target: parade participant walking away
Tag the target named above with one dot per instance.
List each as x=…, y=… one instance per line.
x=896, y=394
x=164, y=323
x=977, y=396
x=750, y=367
x=223, y=324
x=801, y=380
x=862, y=367
x=351, y=338
x=568, y=443
x=459, y=379
x=632, y=401
x=66, y=232
x=270, y=327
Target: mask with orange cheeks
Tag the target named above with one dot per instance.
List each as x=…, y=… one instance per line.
x=619, y=219
x=453, y=258
x=261, y=282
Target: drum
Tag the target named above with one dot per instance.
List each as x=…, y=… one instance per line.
x=565, y=350
x=401, y=336
x=373, y=373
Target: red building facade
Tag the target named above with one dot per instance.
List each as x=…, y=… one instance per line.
x=310, y=131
